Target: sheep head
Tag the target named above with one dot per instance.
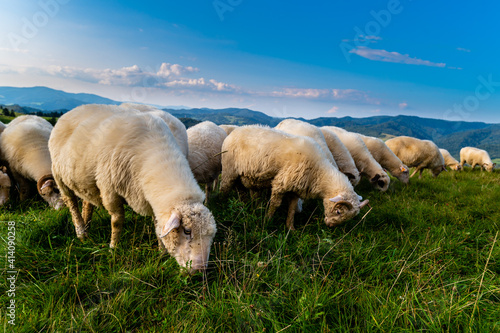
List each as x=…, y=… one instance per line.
x=404, y=174
x=187, y=234
x=49, y=191
x=489, y=166
x=381, y=181
x=5, y=185
x=339, y=210
x=437, y=170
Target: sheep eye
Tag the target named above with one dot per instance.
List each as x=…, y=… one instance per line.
x=187, y=231
x=338, y=211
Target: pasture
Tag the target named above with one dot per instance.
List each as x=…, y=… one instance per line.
x=423, y=257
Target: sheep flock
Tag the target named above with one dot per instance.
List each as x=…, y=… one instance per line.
x=111, y=156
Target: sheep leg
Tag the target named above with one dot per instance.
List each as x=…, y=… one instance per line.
x=208, y=188
x=87, y=210
x=114, y=205
x=72, y=203
x=215, y=184
x=420, y=174
x=291, y=212
x=24, y=186
x=414, y=172
x=274, y=203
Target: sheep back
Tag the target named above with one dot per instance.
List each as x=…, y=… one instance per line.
x=297, y=127
x=205, y=142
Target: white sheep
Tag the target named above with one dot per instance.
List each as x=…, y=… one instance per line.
x=24, y=146
x=421, y=154
x=176, y=126
x=301, y=128
x=386, y=158
x=365, y=163
x=292, y=166
x=205, y=142
x=342, y=156
x=228, y=128
x=109, y=157
x=475, y=156
x=449, y=160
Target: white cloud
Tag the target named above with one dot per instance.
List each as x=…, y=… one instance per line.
x=175, y=79
x=396, y=57
x=463, y=49
x=403, y=105
x=323, y=94
x=333, y=109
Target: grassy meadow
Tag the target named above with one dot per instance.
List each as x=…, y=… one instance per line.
x=424, y=257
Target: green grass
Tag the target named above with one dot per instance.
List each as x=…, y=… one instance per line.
x=422, y=258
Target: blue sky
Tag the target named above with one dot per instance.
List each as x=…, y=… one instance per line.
x=309, y=59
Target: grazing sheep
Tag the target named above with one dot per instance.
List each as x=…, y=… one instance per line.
x=342, y=156
x=24, y=146
x=300, y=128
x=365, y=163
x=109, y=156
x=422, y=154
x=386, y=158
x=292, y=166
x=205, y=142
x=5, y=185
x=176, y=126
x=228, y=128
x=476, y=156
x=450, y=160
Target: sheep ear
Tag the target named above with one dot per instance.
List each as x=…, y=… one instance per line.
x=4, y=168
x=374, y=179
x=364, y=203
x=403, y=169
x=173, y=222
x=336, y=199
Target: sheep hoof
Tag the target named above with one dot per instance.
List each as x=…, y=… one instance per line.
x=82, y=235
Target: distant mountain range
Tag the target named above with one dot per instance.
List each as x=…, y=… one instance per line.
x=47, y=99
x=451, y=135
